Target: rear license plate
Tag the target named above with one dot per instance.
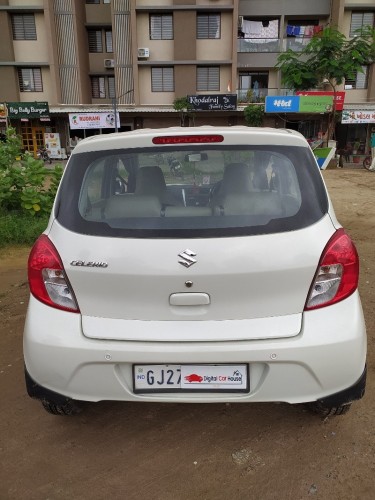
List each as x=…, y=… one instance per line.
x=190, y=378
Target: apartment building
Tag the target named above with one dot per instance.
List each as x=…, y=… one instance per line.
x=69, y=67
x=267, y=28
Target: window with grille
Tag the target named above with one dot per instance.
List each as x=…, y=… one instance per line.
x=359, y=81
x=162, y=80
x=30, y=80
x=23, y=26
x=103, y=87
x=111, y=87
x=361, y=20
x=108, y=41
x=208, y=26
x=208, y=78
x=161, y=27
x=98, y=90
x=95, y=40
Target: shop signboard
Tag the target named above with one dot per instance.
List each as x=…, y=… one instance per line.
x=3, y=112
x=338, y=96
x=213, y=102
x=282, y=104
x=315, y=104
x=298, y=104
x=53, y=144
x=92, y=120
x=324, y=156
x=27, y=110
x=358, y=116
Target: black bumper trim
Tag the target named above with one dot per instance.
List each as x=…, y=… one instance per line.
x=352, y=393
x=37, y=391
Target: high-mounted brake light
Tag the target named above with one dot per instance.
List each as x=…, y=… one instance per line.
x=337, y=274
x=187, y=139
x=47, y=280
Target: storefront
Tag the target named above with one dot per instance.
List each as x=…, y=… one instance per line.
x=3, y=120
x=31, y=121
x=355, y=130
x=74, y=123
x=308, y=114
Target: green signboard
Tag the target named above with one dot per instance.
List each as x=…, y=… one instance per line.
x=315, y=104
x=19, y=110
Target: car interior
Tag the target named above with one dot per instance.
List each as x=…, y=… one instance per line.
x=176, y=184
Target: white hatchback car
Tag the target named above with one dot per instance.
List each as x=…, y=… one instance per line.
x=194, y=265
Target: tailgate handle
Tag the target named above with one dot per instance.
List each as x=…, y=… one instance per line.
x=189, y=299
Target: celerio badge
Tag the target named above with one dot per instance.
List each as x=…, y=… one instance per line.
x=187, y=258
x=83, y=263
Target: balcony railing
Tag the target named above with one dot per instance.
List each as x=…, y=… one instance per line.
x=272, y=44
x=245, y=96
x=258, y=45
x=296, y=44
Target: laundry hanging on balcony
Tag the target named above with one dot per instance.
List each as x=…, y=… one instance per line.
x=261, y=30
x=303, y=31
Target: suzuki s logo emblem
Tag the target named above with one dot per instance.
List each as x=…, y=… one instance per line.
x=187, y=258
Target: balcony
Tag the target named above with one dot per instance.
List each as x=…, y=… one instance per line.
x=296, y=44
x=258, y=45
x=248, y=96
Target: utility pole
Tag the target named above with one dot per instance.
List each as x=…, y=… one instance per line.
x=114, y=106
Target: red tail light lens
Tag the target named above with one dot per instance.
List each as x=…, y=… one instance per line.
x=188, y=139
x=47, y=280
x=337, y=274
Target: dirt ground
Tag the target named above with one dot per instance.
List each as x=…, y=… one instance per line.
x=173, y=452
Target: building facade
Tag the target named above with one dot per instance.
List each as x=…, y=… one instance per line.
x=88, y=60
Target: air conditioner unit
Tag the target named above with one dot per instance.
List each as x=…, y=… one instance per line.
x=109, y=63
x=143, y=53
x=240, y=22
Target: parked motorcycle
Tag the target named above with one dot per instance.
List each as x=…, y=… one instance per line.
x=43, y=155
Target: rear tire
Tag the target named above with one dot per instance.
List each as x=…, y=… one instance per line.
x=328, y=411
x=70, y=408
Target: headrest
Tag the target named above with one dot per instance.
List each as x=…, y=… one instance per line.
x=150, y=181
x=236, y=178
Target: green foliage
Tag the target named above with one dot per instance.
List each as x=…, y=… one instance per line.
x=25, y=184
x=20, y=229
x=254, y=115
x=182, y=105
x=328, y=58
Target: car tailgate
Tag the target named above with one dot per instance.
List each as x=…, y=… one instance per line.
x=246, y=287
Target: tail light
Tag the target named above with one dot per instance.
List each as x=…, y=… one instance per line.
x=47, y=280
x=337, y=274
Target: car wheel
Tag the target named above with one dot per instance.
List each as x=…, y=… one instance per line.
x=328, y=411
x=69, y=408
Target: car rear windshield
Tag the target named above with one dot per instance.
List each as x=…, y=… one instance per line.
x=180, y=191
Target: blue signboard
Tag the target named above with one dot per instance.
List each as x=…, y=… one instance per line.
x=282, y=104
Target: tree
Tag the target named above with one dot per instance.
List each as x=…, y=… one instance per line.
x=328, y=59
x=182, y=105
x=25, y=184
x=254, y=114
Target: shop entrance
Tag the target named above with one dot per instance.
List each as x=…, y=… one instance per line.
x=32, y=138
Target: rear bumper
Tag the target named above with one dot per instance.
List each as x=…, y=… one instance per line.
x=352, y=393
x=324, y=360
